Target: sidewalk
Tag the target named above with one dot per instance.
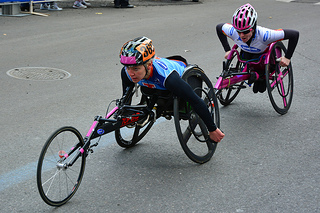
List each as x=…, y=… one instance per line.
x=67, y=4
x=109, y=3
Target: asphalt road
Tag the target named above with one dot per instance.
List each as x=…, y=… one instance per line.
x=266, y=163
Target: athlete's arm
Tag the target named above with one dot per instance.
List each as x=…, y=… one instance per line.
x=223, y=38
x=293, y=37
x=183, y=90
x=125, y=81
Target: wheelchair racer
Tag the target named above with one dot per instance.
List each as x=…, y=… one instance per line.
x=254, y=40
x=143, y=67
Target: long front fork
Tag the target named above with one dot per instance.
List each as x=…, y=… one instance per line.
x=84, y=149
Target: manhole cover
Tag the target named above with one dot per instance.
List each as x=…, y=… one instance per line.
x=39, y=73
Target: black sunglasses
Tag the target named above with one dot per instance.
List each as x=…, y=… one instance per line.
x=245, y=32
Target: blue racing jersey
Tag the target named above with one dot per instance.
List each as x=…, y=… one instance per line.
x=162, y=68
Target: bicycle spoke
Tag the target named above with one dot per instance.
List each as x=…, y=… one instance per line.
x=283, y=92
x=51, y=179
x=228, y=94
x=186, y=135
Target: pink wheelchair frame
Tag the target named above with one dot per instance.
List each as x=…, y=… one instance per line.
x=279, y=82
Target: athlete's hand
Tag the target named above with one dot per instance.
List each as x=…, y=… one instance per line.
x=284, y=62
x=227, y=54
x=216, y=135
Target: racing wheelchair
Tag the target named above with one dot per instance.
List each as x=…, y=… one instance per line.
x=279, y=80
x=63, y=157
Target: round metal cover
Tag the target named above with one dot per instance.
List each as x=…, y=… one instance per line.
x=39, y=73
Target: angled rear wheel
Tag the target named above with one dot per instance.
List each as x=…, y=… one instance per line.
x=130, y=135
x=279, y=81
x=198, y=148
x=227, y=95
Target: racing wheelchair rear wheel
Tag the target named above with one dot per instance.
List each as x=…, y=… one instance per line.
x=279, y=81
x=227, y=95
x=198, y=148
x=130, y=135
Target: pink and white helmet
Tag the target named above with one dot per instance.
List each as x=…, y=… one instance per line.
x=244, y=18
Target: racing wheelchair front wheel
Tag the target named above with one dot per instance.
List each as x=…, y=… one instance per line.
x=279, y=80
x=58, y=177
x=198, y=148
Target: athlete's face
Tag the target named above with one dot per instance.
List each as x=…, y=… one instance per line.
x=137, y=73
x=245, y=36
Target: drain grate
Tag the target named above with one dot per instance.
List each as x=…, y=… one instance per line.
x=39, y=73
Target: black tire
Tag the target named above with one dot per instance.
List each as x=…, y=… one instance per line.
x=57, y=182
x=198, y=148
x=227, y=95
x=280, y=81
x=130, y=135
